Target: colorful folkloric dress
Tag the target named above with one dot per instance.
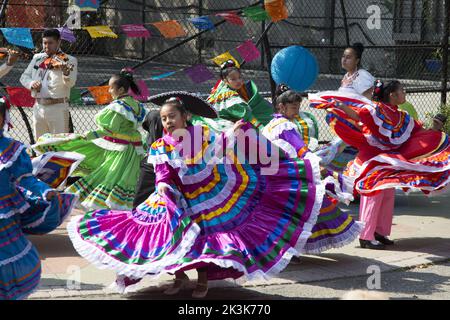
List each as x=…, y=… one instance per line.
x=336, y=154
x=225, y=216
x=394, y=150
x=233, y=105
x=307, y=126
x=23, y=209
x=333, y=228
x=112, y=153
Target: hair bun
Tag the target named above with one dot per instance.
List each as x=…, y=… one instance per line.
x=282, y=88
x=358, y=46
x=440, y=117
x=228, y=64
x=127, y=73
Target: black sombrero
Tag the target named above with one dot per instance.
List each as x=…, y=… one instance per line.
x=193, y=103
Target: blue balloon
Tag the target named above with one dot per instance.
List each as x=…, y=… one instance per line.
x=296, y=67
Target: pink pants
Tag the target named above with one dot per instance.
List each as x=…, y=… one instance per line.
x=377, y=213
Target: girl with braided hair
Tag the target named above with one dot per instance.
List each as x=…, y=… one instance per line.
x=113, y=152
x=290, y=131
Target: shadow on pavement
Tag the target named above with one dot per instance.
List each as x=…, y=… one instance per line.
x=237, y=293
x=54, y=246
x=51, y=283
x=395, y=282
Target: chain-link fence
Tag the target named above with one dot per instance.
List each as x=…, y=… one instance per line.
x=403, y=40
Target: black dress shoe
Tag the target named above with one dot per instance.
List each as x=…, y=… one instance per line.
x=367, y=244
x=384, y=240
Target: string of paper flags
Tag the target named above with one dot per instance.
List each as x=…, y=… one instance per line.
x=198, y=73
x=274, y=9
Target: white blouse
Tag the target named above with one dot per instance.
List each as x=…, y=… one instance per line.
x=359, y=82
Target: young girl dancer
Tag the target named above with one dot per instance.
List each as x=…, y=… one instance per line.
x=27, y=205
x=112, y=153
x=235, y=99
x=393, y=151
x=333, y=228
x=211, y=212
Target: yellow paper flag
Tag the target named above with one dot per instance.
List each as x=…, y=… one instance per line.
x=276, y=9
x=101, y=31
x=101, y=94
x=224, y=57
x=170, y=29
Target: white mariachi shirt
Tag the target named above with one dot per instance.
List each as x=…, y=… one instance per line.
x=54, y=83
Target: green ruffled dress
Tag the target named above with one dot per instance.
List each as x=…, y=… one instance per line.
x=113, y=153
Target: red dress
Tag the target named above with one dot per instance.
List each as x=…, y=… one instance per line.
x=394, y=149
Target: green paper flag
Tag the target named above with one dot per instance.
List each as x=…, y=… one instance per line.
x=75, y=96
x=256, y=13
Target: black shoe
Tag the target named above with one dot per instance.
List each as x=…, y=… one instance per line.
x=384, y=240
x=367, y=244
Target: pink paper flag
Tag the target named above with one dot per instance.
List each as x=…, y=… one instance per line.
x=248, y=51
x=199, y=73
x=145, y=93
x=231, y=17
x=135, y=31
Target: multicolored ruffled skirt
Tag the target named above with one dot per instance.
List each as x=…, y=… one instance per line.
x=229, y=219
x=407, y=156
x=44, y=216
x=20, y=266
x=333, y=229
x=109, y=171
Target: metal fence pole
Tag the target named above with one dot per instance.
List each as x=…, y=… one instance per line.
x=263, y=56
x=344, y=14
x=445, y=56
x=331, y=57
x=144, y=6
x=2, y=12
x=268, y=55
x=200, y=38
x=273, y=85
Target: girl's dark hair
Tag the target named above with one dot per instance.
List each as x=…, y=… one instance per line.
x=281, y=88
x=227, y=67
x=52, y=33
x=283, y=95
x=358, y=47
x=440, y=117
x=382, y=92
x=178, y=103
x=125, y=80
